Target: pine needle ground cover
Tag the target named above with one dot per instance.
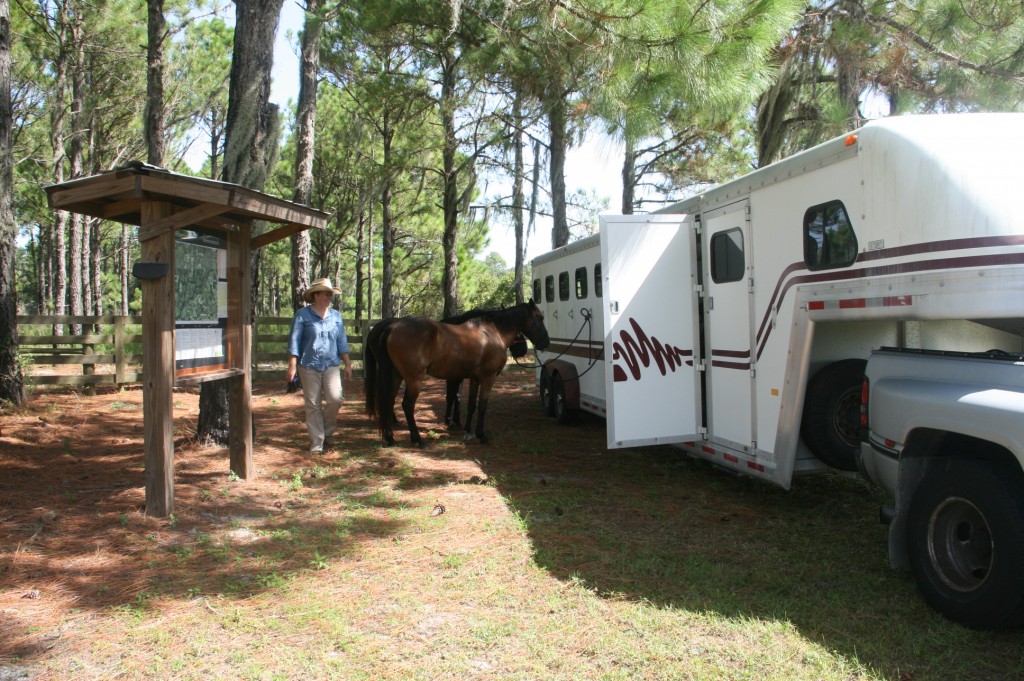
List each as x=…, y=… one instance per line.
x=540, y=556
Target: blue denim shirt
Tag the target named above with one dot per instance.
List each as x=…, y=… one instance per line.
x=318, y=343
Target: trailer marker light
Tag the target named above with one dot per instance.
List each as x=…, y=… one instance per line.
x=851, y=140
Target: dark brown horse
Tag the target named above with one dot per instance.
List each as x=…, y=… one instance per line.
x=453, y=389
x=411, y=348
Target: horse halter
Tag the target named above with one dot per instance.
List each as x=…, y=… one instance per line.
x=537, y=333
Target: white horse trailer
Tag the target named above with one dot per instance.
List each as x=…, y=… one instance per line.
x=736, y=323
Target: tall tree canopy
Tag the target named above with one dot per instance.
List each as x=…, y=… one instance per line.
x=436, y=122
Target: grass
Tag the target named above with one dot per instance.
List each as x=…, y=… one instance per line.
x=552, y=559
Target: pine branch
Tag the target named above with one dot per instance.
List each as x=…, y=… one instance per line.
x=934, y=49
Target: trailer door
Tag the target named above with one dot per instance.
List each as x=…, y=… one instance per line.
x=728, y=308
x=650, y=321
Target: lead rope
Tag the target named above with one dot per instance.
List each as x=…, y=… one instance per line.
x=587, y=324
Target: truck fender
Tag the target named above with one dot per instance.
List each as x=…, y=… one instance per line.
x=566, y=371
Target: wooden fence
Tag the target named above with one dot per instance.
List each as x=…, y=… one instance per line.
x=108, y=351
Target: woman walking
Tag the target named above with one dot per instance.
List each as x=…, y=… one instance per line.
x=316, y=348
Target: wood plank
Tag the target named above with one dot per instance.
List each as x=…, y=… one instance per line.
x=95, y=379
x=280, y=233
x=240, y=387
x=184, y=218
x=54, y=360
x=88, y=338
x=170, y=187
x=52, y=319
x=158, y=367
x=274, y=209
x=67, y=194
x=126, y=207
x=195, y=379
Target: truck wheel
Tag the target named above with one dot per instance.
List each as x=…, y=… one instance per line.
x=562, y=412
x=965, y=539
x=832, y=413
x=547, y=398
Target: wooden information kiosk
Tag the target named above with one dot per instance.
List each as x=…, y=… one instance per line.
x=180, y=213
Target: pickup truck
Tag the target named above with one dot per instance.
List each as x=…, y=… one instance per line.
x=943, y=434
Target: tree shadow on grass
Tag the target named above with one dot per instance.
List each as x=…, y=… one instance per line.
x=74, y=537
x=653, y=525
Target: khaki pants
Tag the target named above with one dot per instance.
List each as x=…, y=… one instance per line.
x=322, y=395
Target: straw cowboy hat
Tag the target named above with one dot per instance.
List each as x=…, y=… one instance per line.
x=317, y=286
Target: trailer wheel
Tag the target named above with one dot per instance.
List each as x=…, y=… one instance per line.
x=547, y=398
x=966, y=543
x=832, y=412
x=562, y=412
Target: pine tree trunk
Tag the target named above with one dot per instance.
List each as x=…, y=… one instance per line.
x=556, y=168
x=305, y=143
x=12, y=383
x=77, y=159
x=387, y=305
x=450, y=198
x=250, y=148
x=628, y=179
x=155, y=84
x=518, y=199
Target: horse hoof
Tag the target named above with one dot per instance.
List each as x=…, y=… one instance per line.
x=467, y=438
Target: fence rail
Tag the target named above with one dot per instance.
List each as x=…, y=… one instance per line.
x=109, y=349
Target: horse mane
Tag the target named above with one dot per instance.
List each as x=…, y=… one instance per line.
x=509, y=318
x=469, y=314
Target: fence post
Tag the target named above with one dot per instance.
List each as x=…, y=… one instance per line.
x=120, y=370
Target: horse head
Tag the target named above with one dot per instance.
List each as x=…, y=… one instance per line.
x=534, y=328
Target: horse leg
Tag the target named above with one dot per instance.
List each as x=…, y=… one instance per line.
x=485, y=393
x=474, y=388
x=452, y=416
x=412, y=392
x=396, y=383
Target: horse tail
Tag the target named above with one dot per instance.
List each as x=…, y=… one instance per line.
x=370, y=369
x=384, y=382
x=370, y=380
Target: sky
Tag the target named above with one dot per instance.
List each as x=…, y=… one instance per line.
x=594, y=167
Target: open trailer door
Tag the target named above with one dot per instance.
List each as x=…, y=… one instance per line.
x=652, y=337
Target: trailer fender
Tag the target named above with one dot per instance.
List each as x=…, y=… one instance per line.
x=568, y=379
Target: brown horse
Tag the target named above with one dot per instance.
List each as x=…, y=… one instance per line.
x=452, y=412
x=412, y=348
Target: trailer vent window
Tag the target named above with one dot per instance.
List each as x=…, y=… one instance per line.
x=563, y=286
x=829, y=240
x=581, y=283
x=727, y=262
x=549, y=288
x=536, y=290
x=597, y=280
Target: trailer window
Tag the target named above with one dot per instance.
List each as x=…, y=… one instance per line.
x=581, y=283
x=829, y=240
x=563, y=286
x=597, y=280
x=549, y=288
x=536, y=290
x=727, y=256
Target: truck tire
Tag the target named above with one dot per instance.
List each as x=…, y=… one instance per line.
x=965, y=539
x=832, y=413
x=547, y=398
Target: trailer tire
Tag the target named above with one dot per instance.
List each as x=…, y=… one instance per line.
x=547, y=399
x=831, y=413
x=563, y=414
x=965, y=539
